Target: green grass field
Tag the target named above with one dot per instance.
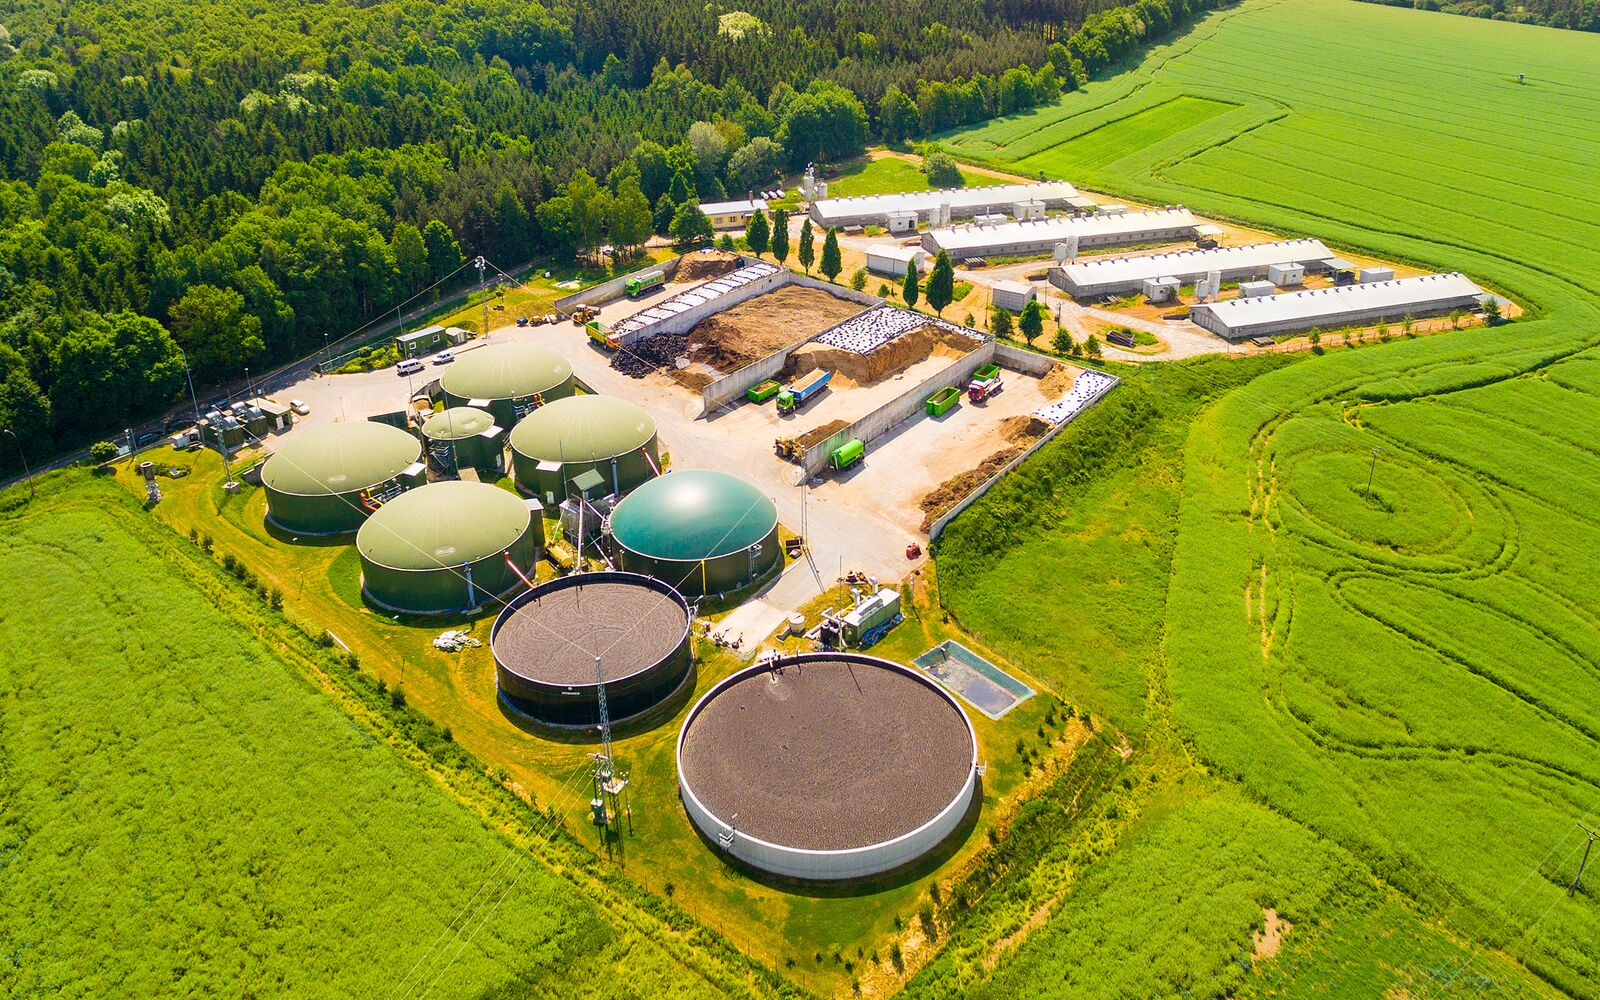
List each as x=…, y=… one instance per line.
x=1408, y=673
x=889, y=175
x=182, y=812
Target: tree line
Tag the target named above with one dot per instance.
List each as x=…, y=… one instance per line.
x=231, y=187
x=1577, y=15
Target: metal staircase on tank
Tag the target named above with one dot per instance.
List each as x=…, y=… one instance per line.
x=533, y=403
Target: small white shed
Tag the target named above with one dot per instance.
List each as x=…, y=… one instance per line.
x=1256, y=289
x=902, y=222
x=1161, y=289
x=1013, y=295
x=1286, y=275
x=1371, y=274
x=1032, y=208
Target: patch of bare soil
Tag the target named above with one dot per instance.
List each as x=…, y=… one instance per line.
x=758, y=327
x=1270, y=937
x=1058, y=380
x=891, y=359
x=955, y=489
x=706, y=265
x=1023, y=429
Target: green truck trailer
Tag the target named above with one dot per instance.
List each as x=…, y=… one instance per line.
x=644, y=283
x=846, y=455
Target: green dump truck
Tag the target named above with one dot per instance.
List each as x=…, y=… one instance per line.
x=801, y=391
x=941, y=401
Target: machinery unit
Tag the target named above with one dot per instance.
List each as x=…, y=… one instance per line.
x=867, y=621
x=644, y=283
x=846, y=455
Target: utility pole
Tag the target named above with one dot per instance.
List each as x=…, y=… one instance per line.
x=1371, y=471
x=1578, y=879
x=27, y=473
x=189, y=377
x=483, y=286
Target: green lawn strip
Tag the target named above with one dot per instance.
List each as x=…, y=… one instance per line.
x=284, y=819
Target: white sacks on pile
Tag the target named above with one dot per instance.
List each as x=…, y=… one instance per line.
x=868, y=331
x=1083, y=391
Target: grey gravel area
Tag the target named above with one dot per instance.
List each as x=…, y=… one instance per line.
x=554, y=640
x=827, y=755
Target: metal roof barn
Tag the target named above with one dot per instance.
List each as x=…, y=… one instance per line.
x=964, y=203
x=546, y=642
x=561, y=440
x=827, y=766
x=444, y=547
x=506, y=379
x=467, y=436
x=1127, y=274
x=1346, y=305
x=315, y=479
x=701, y=531
x=1040, y=237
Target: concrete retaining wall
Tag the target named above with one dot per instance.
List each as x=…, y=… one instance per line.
x=1019, y=360
x=950, y=515
x=608, y=290
x=895, y=412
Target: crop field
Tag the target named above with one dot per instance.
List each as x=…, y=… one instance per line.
x=1408, y=671
x=183, y=813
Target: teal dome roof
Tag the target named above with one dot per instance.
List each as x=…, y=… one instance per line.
x=692, y=515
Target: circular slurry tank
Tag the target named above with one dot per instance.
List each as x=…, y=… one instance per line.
x=464, y=437
x=703, y=532
x=444, y=547
x=506, y=378
x=316, y=478
x=546, y=640
x=827, y=766
x=571, y=436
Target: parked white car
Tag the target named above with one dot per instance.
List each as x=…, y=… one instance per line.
x=299, y=407
x=443, y=358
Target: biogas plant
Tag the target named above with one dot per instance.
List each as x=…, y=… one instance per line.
x=689, y=502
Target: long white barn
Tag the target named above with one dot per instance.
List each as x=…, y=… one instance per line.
x=1346, y=305
x=963, y=203
x=1015, y=239
x=1127, y=274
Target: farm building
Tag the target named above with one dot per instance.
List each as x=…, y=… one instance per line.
x=1371, y=274
x=1346, y=305
x=1018, y=239
x=942, y=206
x=703, y=532
x=326, y=480
x=1089, y=278
x=1012, y=295
x=891, y=261
x=827, y=766
x=463, y=437
x=447, y=546
x=562, y=440
x=1256, y=289
x=428, y=340
x=732, y=214
x=508, y=380
x=546, y=642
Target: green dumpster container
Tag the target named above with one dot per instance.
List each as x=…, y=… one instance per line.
x=942, y=400
x=763, y=392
